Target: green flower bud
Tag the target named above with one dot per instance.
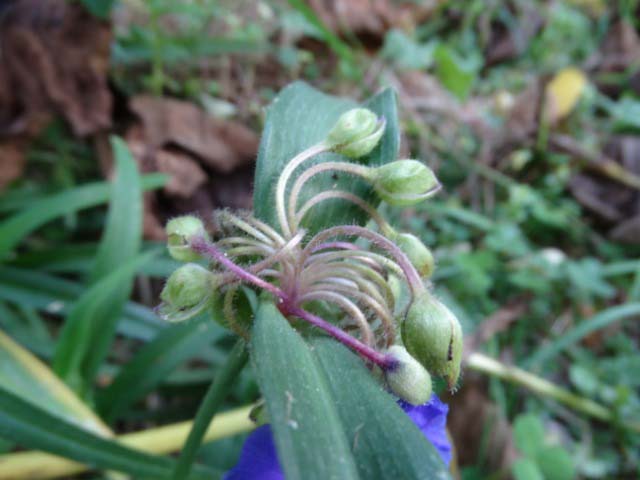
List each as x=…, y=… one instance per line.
x=408, y=379
x=356, y=133
x=180, y=231
x=417, y=252
x=433, y=336
x=187, y=292
x=404, y=182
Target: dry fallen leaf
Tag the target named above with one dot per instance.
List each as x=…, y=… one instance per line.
x=609, y=185
x=591, y=192
x=209, y=160
x=221, y=144
x=186, y=176
x=37, y=81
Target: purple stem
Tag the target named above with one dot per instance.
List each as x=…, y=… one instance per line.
x=287, y=305
x=382, y=360
x=205, y=248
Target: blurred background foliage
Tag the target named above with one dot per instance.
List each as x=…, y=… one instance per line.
x=529, y=111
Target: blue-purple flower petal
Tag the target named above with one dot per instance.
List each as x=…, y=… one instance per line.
x=431, y=419
x=259, y=460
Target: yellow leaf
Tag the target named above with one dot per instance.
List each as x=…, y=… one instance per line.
x=26, y=376
x=563, y=93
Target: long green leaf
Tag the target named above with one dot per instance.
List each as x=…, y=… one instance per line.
x=15, y=228
x=19, y=197
x=92, y=310
x=123, y=230
x=154, y=362
x=385, y=442
x=308, y=433
x=24, y=375
x=57, y=295
x=88, y=334
x=301, y=117
x=32, y=427
x=119, y=245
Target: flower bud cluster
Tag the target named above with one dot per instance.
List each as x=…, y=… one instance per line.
x=369, y=291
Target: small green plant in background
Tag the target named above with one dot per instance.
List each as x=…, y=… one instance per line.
x=540, y=459
x=171, y=54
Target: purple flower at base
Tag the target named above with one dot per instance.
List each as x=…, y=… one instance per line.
x=259, y=460
x=431, y=419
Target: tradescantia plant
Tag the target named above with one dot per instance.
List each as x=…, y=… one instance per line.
x=316, y=260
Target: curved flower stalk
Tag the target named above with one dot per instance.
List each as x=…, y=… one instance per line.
x=345, y=270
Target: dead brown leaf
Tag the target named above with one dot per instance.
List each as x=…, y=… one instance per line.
x=609, y=183
x=591, y=192
x=54, y=61
x=186, y=175
x=209, y=161
x=221, y=144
